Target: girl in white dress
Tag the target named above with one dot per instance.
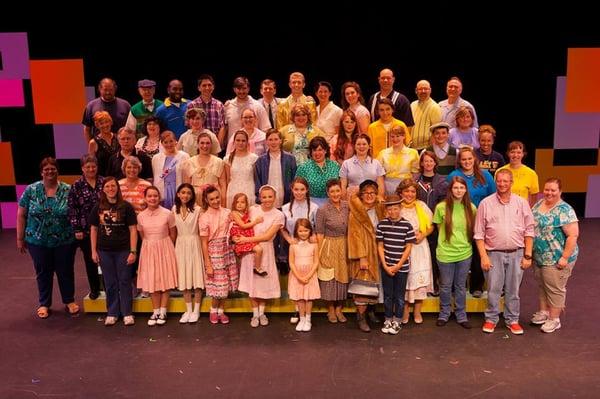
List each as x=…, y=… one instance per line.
x=420, y=275
x=190, y=265
x=239, y=169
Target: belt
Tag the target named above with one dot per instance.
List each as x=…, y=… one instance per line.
x=505, y=251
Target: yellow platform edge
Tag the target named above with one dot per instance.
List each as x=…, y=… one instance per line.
x=282, y=305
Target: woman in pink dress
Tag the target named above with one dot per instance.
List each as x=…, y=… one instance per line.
x=303, y=285
x=259, y=288
x=157, y=272
x=222, y=273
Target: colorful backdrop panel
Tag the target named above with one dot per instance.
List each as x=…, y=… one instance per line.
x=58, y=91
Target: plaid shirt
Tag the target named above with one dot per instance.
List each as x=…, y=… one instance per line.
x=215, y=113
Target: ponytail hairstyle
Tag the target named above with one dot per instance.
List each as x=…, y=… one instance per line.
x=207, y=190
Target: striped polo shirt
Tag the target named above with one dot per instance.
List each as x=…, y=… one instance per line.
x=395, y=235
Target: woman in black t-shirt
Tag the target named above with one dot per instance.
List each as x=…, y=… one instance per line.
x=113, y=236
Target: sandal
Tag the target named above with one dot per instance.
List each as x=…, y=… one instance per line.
x=72, y=308
x=43, y=312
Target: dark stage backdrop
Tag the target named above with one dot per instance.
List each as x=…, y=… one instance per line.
x=507, y=58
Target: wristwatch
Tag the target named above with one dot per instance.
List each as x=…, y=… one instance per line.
x=527, y=257
x=133, y=251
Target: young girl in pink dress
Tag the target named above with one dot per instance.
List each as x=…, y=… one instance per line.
x=222, y=272
x=157, y=273
x=303, y=285
x=242, y=226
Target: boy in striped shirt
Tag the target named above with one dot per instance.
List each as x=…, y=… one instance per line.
x=395, y=237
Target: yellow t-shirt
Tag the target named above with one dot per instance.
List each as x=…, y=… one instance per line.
x=525, y=181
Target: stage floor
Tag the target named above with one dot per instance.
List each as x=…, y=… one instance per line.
x=77, y=357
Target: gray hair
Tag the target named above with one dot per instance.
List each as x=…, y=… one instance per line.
x=135, y=161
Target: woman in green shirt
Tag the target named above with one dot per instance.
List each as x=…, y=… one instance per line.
x=455, y=218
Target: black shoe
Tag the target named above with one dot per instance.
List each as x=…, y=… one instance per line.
x=93, y=295
x=441, y=322
x=261, y=273
x=465, y=324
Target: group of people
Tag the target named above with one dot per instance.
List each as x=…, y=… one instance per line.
x=297, y=184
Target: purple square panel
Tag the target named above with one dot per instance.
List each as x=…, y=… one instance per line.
x=8, y=210
x=15, y=56
x=592, y=197
x=576, y=130
x=68, y=141
x=90, y=93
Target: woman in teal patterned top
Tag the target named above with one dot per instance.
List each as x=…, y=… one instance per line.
x=555, y=252
x=43, y=227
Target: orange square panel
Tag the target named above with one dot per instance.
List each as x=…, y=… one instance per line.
x=583, y=80
x=58, y=91
x=7, y=169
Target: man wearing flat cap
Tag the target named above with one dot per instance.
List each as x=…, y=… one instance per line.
x=445, y=154
x=143, y=109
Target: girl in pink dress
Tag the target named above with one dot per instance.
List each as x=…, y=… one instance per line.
x=242, y=226
x=157, y=273
x=260, y=289
x=303, y=285
x=222, y=273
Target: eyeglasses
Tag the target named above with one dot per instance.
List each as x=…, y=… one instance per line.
x=247, y=117
x=369, y=193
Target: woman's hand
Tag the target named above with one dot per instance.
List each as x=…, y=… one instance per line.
x=95, y=257
x=131, y=259
x=562, y=263
x=364, y=264
x=21, y=246
x=209, y=269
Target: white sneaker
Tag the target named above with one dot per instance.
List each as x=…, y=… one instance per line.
x=550, y=325
x=307, y=326
x=194, y=317
x=387, y=327
x=540, y=317
x=396, y=327
x=185, y=318
x=300, y=325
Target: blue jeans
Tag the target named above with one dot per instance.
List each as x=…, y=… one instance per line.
x=453, y=274
x=393, y=294
x=117, y=282
x=506, y=273
x=47, y=261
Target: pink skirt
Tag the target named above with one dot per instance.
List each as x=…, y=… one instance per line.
x=226, y=276
x=158, y=266
x=297, y=290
